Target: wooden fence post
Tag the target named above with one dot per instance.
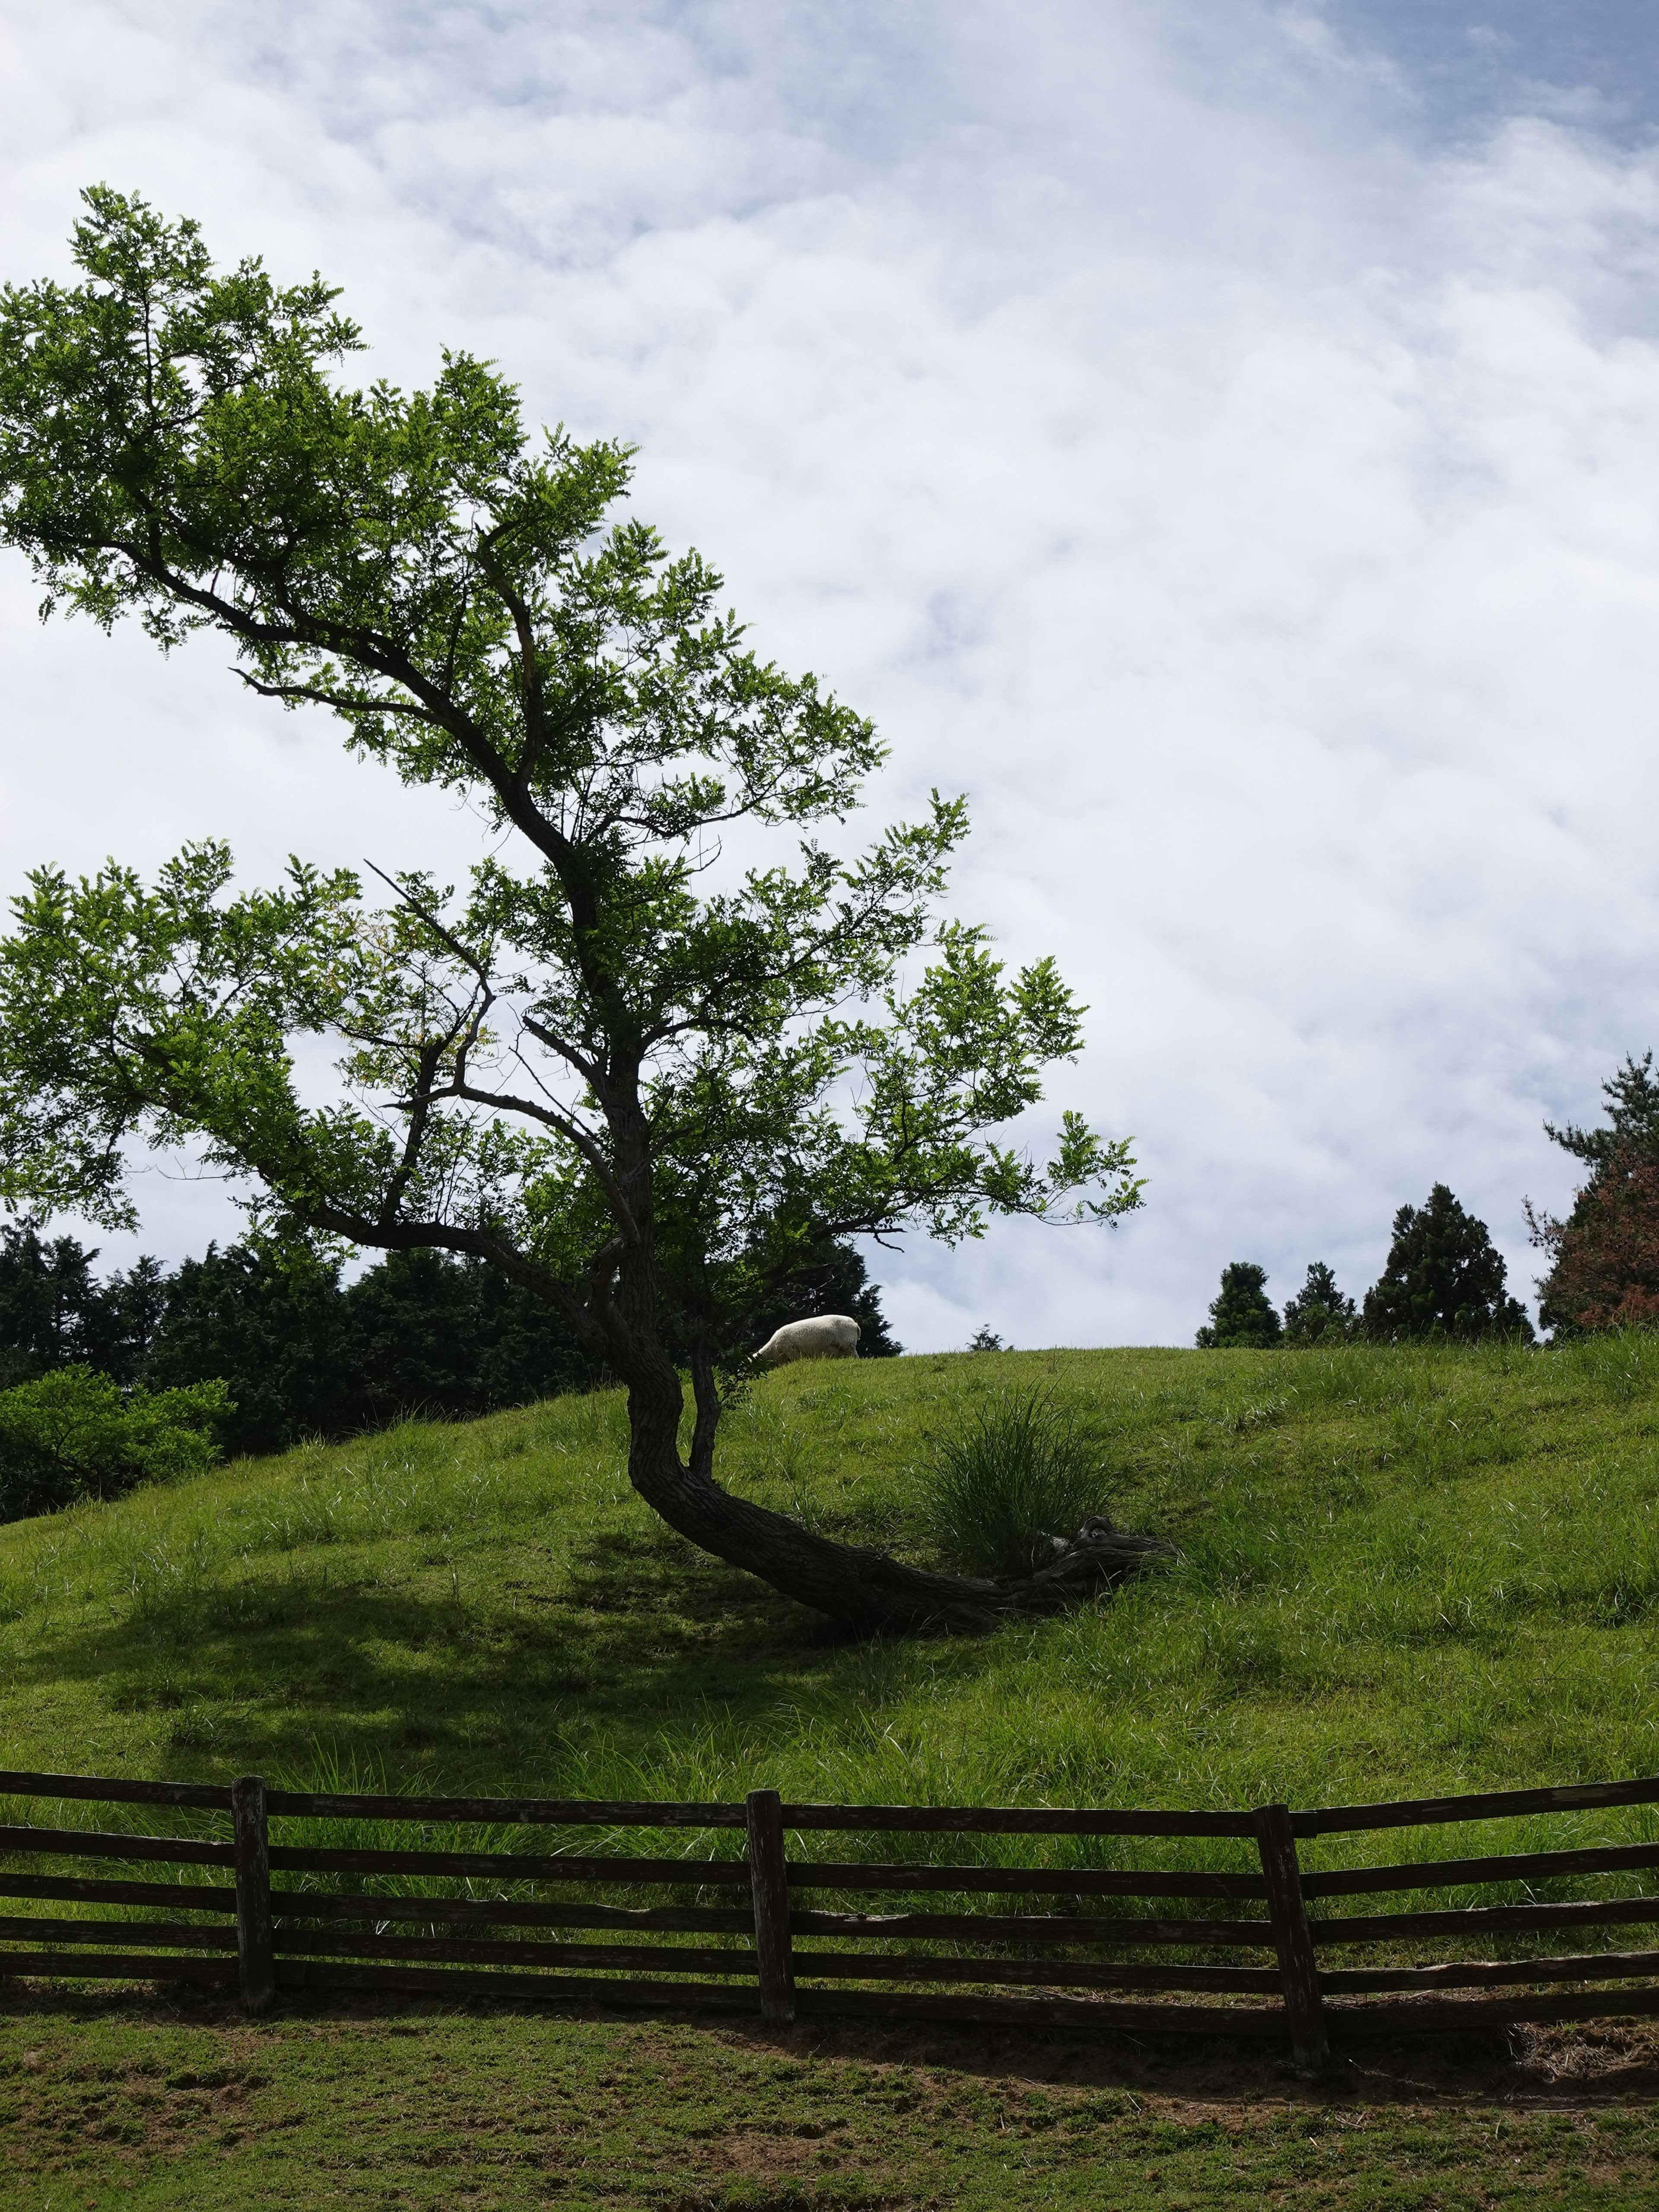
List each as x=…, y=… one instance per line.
x=769, y=1880
x=255, y=1960
x=1310, y=2046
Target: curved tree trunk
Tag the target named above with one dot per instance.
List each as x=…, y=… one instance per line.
x=851, y=1583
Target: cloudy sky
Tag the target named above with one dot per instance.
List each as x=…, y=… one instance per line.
x=1221, y=438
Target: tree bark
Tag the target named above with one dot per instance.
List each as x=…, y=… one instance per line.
x=853, y=1583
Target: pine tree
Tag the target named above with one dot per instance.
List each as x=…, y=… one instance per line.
x=1632, y=1096
x=133, y=1307
x=267, y=1317
x=52, y=1309
x=1444, y=1277
x=1242, y=1317
x=1604, y=1257
x=1319, y=1311
x=429, y=1335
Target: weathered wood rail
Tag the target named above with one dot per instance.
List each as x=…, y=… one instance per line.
x=253, y=1932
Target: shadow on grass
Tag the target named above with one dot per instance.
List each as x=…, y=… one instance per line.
x=1578, y=2066
x=635, y=1633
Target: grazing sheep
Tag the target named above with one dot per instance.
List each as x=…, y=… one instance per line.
x=825, y=1336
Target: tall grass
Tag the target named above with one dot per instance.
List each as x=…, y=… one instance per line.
x=1014, y=1480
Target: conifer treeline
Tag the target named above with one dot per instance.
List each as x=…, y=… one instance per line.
x=1445, y=1277
x=303, y=1353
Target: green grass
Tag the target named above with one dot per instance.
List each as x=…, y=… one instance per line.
x=110, y=2099
x=1403, y=1572
x=1013, y=1477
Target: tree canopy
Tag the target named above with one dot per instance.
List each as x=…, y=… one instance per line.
x=1241, y=1315
x=1444, y=1277
x=645, y=1083
x=1319, y=1311
x=1632, y=1123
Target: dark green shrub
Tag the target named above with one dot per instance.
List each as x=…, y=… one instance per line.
x=73, y=1433
x=1015, y=1475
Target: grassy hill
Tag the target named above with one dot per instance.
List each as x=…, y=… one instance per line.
x=1402, y=1570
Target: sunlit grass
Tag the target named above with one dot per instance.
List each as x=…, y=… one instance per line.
x=1401, y=1572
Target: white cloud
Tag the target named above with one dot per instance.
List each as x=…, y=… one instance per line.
x=1258, y=518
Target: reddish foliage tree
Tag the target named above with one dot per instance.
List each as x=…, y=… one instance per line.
x=1604, y=1271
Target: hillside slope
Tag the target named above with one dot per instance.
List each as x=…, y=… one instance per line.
x=1403, y=1571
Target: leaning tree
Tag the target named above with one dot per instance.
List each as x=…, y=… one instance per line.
x=644, y=1081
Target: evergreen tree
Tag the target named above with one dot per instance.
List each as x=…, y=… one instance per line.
x=130, y=1310
x=1319, y=1310
x=1604, y=1271
x=1604, y=1257
x=267, y=1317
x=1632, y=1096
x=524, y=1351
x=411, y=1330
x=50, y=1304
x=1443, y=1277
x=1242, y=1317
x=429, y=1335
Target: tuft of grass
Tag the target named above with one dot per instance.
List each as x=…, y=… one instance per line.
x=1017, y=1476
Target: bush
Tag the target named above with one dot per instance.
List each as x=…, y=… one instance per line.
x=1016, y=1475
x=73, y=1433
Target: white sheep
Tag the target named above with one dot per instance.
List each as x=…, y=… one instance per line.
x=824, y=1336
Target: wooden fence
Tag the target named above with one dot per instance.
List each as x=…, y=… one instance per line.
x=769, y=1948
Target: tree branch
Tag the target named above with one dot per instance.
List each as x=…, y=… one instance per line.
x=469, y=1243
x=534, y=705
x=586, y=1067
x=504, y=1102
x=419, y=1113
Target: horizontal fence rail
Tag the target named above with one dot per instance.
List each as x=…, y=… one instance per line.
x=735, y=1922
